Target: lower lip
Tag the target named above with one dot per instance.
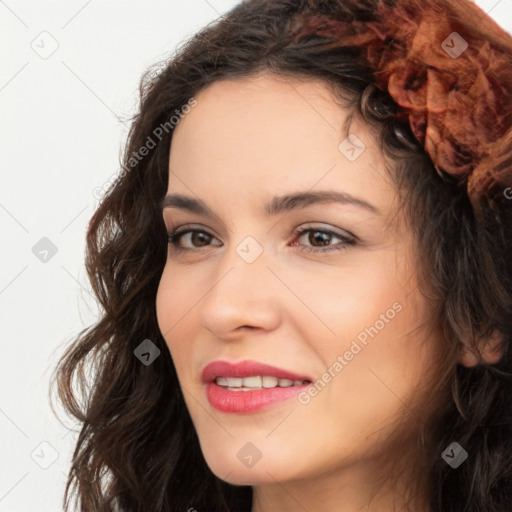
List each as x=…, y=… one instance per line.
x=248, y=401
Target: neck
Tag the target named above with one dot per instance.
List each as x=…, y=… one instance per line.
x=355, y=488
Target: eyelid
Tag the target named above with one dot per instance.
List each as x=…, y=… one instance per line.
x=190, y=227
x=321, y=226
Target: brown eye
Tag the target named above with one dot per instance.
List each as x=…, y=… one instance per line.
x=320, y=239
x=198, y=238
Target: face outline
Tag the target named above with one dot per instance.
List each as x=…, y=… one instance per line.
x=246, y=141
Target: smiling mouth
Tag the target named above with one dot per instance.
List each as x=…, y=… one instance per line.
x=249, y=386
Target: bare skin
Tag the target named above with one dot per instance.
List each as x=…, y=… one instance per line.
x=246, y=141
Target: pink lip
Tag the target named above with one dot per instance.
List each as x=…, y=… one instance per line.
x=245, y=369
x=247, y=401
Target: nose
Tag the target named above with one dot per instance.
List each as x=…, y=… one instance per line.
x=242, y=295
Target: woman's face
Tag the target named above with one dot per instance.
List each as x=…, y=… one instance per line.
x=332, y=308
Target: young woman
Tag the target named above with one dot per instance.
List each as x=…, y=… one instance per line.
x=305, y=271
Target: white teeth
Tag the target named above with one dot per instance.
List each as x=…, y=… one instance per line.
x=252, y=382
x=235, y=382
x=270, y=382
x=256, y=382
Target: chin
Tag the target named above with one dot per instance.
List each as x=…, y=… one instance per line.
x=245, y=477
x=236, y=467
x=259, y=475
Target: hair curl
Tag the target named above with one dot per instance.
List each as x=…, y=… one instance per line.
x=137, y=449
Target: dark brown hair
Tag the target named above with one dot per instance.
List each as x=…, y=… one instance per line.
x=137, y=449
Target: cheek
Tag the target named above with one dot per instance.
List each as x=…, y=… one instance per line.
x=386, y=362
x=174, y=304
x=165, y=300
x=383, y=357
x=354, y=298
x=175, y=299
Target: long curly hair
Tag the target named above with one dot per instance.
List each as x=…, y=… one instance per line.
x=137, y=448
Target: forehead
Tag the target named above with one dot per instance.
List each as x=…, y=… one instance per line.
x=263, y=117
x=256, y=137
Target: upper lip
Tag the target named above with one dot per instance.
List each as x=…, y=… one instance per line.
x=246, y=368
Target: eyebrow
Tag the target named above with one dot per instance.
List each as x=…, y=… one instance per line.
x=276, y=205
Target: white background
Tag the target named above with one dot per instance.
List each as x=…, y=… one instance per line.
x=61, y=134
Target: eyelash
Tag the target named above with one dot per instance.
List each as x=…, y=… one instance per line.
x=175, y=236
